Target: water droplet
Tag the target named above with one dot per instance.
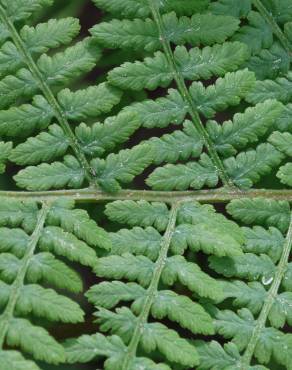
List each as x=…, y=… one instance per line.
x=267, y=280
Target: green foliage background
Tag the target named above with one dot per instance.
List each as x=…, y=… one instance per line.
x=88, y=15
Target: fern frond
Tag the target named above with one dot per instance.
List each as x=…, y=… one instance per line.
x=266, y=39
x=264, y=300
x=181, y=63
x=172, y=275
x=37, y=41
x=23, y=268
x=150, y=262
x=28, y=72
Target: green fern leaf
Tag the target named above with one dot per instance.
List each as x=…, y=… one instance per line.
x=87, y=348
x=42, y=267
x=206, y=238
x=34, y=340
x=23, y=120
x=97, y=139
x=157, y=292
x=228, y=90
x=65, y=244
x=257, y=34
x=50, y=35
x=20, y=9
x=9, y=266
x=81, y=104
x=141, y=9
x=14, y=241
x=213, y=356
x=56, y=70
x=194, y=213
x=248, y=266
x=160, y=112
x=261, y=211
x=180, y=145
x=44, y=147
x=45, y=267
x=236, y=8
x=127, y=266
x=140, y=213
x=193, y=64
x=78, y=222
x=280, y=89
x=285, y=174
x=37, y=40
x=190, y=275
x=13, y=360
x=260, y=240
x=166, y=304
x=64, y=66
x=47, y=303
x=282, y=141
x=240, y=328
x=14, y=213
x=155, y=336
x=270, y=63
x=251, y=295
x=123, y=167
x=182, y=177
x=280, y=10
x=136, y=241
x=52, y=176
x=246, y=127
x=109, y=294
x=204, y=29
x=180, y=309
x=247, y=168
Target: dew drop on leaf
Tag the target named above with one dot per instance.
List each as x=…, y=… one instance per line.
x=267, y=280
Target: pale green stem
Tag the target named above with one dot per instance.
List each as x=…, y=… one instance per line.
x=151, y=291
x=269, y=301
x=19, y=281
x=222, y=195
